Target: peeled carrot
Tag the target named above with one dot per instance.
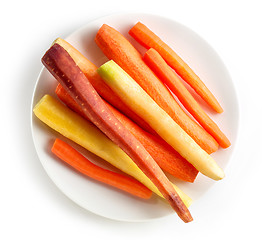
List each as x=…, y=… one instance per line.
x=64, y=96
x=90, y=71
x=59, y=63
x=150, y=40
x=165, y=156
x=76, y=160
x=116, y=47
x=169, y=77
x=141, y=103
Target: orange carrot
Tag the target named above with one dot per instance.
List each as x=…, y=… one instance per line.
x=59, y=63
x=116, y=47
x=64, y=96
x=90, y=71
x=76, y=160
x=169, y=77
x=150, y=40
x=165, y=156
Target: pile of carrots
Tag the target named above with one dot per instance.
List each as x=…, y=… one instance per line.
x=160, y=73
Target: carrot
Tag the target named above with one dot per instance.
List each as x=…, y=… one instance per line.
x=64, y=96
x=169, y=77
x=165, y=156
x=90, y=71
x=116, y=47
x=68, y=74
x=76, y=160
x=150, y=40
x=141, y=103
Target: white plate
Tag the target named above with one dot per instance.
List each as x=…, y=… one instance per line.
x=106, y=201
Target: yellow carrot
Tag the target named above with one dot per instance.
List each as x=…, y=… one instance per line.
x=144, y=106
x=71, y=125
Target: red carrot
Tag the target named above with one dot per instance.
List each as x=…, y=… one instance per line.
x=64, y=69
x=76, y=160
x=150, y=40
x=165, y=156
x=90, y=71
x=169, y=77
x=116, y=47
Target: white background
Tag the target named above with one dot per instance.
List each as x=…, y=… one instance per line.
x=31, y=207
